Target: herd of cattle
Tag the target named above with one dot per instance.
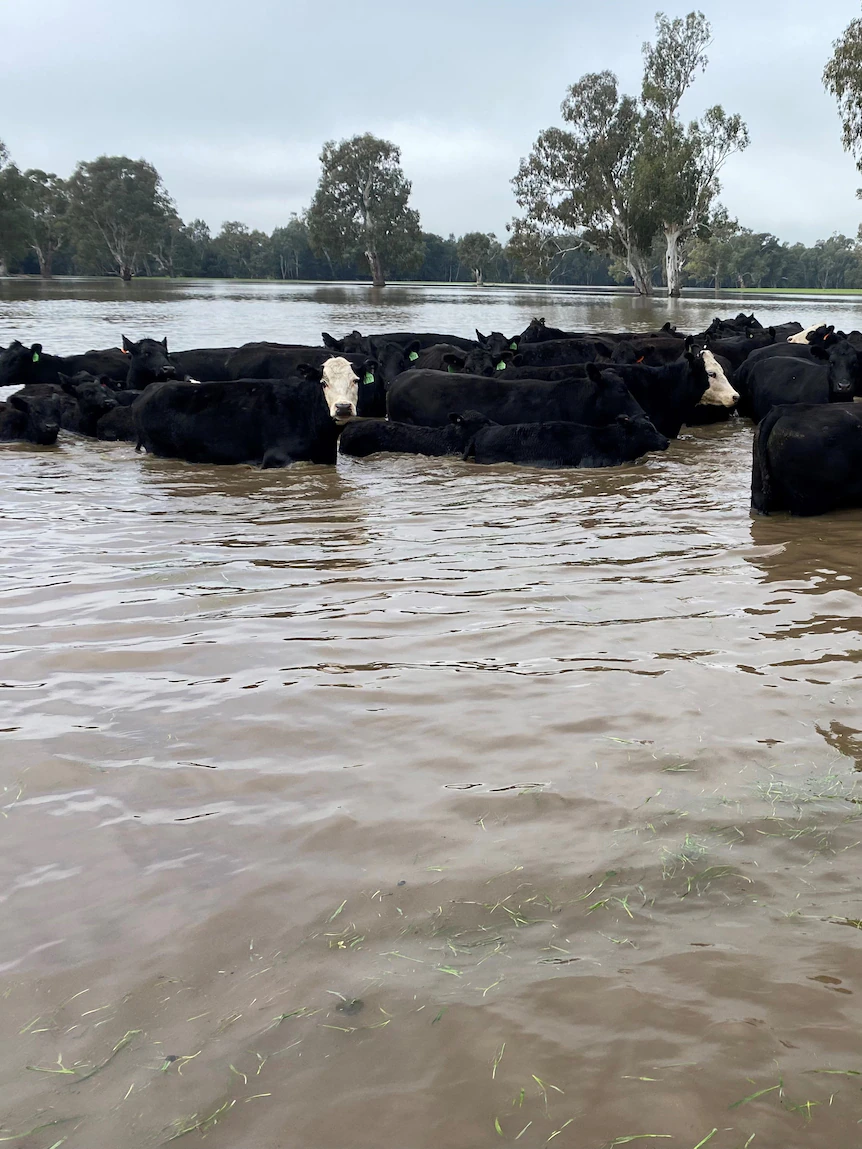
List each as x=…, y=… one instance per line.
x=544, y=398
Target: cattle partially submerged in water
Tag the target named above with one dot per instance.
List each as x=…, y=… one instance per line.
x=30, y=419
x=558, y=444
x=271, y=422
x=363, y=437
x=807, y=459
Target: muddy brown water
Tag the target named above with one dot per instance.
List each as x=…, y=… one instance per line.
x=415, y=804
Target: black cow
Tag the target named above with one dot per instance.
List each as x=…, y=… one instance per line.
x=668, y=395
x=362, y=437
x=94, y=398
x=425, y=398
x=652, y=352
x=276, y=361
x=736, y=349
x=272, y=422
x=807, y=459
x=148, y=362
x=30, y=419
x=554, y=351
x=357, y=344
x=556, y=444
x=20, y=365
x=203, y=362
x=834, y=375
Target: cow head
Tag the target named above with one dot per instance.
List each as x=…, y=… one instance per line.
x=844, y=369
x=41, y=417
x=495, y=343
x=92, y=393
x=719, y=392
x=148, y=362
x=802, y=336
x=485, y=361
x=353, y=344
x=641, y=435
x=17, y=363
x=340, y=387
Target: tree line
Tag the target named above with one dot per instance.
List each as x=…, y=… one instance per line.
x=626, y=192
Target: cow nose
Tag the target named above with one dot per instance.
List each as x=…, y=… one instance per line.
x=735, y=397
x=343, y=408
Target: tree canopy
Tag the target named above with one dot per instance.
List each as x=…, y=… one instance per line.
x=842, y=76
x=119, y=211
x=625, y=169
x=361, y=207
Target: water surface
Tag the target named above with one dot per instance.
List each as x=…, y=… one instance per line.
x=414, y=803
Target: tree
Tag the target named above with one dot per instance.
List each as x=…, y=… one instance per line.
x=291, y=250
x=118, y=211
x=360, y=206
x=584, y=181
x=13, y=218
x=712, y=251
x=842, y=76
x=46, y=202
x=477, y=250
x=678, y=165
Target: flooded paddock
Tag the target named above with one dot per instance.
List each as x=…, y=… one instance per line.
x=411, y=803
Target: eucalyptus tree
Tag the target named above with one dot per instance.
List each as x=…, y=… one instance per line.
x=678, y=163
x=360, y=208
x=118, y=212
x=45, y=200
x=583, y=180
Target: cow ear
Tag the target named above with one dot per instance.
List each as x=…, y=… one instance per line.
x=456, y=418
x=19, y=403
x=328, y=341
x=451, y=359
x=128, y=345
x=604, y=349
x=36, y=348
x=105, y=380
x=165, y=343
x=689, y=342
x=623, y=419
x=594, y=373
x=481, y=339
x=413, y=347
x=818, y=351
x=770, y=331
x=308, y=371
x=66, y=383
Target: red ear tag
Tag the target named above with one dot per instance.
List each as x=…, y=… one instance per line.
x=639, y=360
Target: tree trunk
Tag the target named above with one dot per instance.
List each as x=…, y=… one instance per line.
x=377, y=277
x=46, y=258
x=4, y=265
x=638, y=268
x=672, y=259
x=480, y=277
x=125, y=273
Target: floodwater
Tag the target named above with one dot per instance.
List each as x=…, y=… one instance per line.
x=410, y=804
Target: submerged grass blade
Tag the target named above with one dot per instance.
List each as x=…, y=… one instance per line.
x=754, y=1096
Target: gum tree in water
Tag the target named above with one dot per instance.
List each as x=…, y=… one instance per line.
x=477, y=251
x=46, y=202
x=677, y=166
x=118, y=212
x=582, y=180
x=360, y=206
x=625, y=170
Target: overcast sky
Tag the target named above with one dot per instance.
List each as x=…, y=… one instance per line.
x=232, y=99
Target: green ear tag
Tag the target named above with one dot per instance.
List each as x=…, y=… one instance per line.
x=513, y=346
x=451, y=369
x=369, y=377
x=501, y=366
x=413, y=356
x=35, y=356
